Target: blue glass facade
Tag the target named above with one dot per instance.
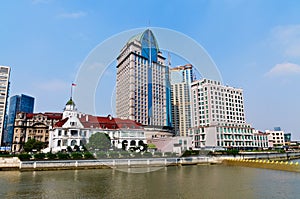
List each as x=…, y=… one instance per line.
x=22, y=103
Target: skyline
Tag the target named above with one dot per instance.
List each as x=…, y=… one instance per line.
x=254, y=44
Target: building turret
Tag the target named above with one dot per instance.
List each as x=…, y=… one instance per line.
x=70, y=109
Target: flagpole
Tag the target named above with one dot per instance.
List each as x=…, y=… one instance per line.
x=71, y=91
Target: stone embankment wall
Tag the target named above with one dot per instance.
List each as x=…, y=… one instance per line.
x=9, y=163
x=106, y=163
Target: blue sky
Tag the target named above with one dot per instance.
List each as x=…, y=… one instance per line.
x=255, y=44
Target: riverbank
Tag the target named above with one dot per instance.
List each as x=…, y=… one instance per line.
x=104, y=163
x=249, y=159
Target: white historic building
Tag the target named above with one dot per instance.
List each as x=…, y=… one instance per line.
x=76, y=128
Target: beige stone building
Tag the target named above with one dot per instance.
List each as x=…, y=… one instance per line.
x=33, y=126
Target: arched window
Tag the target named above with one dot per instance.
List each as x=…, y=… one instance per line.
x=73, y=142
x=132, y=143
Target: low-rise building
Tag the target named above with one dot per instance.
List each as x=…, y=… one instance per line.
x=260, y=140
x=33, y=126
x=177, y=144
x=276, y=137
x=76, y=128
x=223, y=136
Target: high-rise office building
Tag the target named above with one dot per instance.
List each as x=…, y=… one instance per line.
x=4, y=87
x=17, y=103
x=219, y=118
x=181, y=78
x=143, y=87
x=215, y=103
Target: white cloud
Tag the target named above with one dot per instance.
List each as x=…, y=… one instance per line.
x=72, y=15
x=53, y=85
x=284, y=69
x=288, y=39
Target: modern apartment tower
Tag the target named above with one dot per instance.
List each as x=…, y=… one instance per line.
x=4, y=88
x=181, y=78
x=143, y=87
x=219, y=117
x=17, y=103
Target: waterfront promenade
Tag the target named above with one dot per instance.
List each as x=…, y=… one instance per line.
x=244, y=160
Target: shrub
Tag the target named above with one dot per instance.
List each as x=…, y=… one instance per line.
x=101, y=154
x=69, y=149
x=63, y=156
x=51, y=156
x=24, y=156
x=88, y=155
x=113, y=154
x=170, y=154
x=39, y=156
x=158, y=154
x=137, y=155
x=147, y=155
x=76, y=155
x=125, y=154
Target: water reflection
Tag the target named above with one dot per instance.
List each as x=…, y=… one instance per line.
x=171, y=182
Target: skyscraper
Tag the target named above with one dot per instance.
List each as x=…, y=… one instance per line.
x=181, y=79
x=143, y=87
x=4, y=87
x=17, y=103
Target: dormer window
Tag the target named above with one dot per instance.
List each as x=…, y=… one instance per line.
x=72, y=123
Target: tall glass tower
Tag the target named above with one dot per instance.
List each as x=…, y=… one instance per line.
x=143, y=92
x=17, y=103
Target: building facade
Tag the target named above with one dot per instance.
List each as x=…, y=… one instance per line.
x=181, y=78
x=143, y=87
x=176, y=144
x=17, y=103
x=219, y=118
x=276, y=137
x=33, y=126
x=75, y=128
x=261, y=140
x=4, y=88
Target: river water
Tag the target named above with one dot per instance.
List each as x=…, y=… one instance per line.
x=214, y=181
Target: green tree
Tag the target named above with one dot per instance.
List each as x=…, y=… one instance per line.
x=100, y=141
x=33, y=144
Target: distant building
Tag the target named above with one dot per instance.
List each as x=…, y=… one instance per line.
x=33, y=126
x=277, y=128
x=276, y=137
x=181, y=78
x=143, y=87
x=4, y=87
x=219, y=118
x=176, y=144
x=17, y=103
x=287, y=137
x=261, y=141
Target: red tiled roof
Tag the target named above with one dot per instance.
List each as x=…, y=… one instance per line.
x=55, y=116
x=90, y=121
x=61, y=122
